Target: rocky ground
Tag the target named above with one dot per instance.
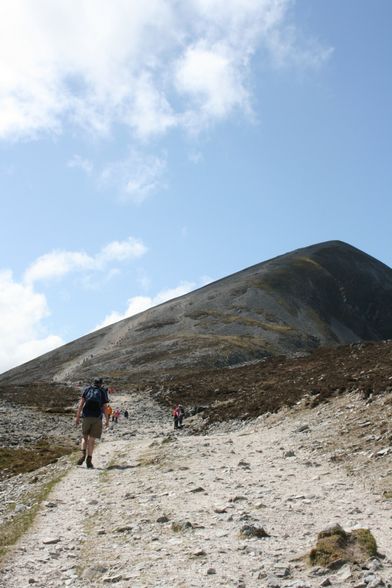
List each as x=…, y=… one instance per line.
x=239, y=505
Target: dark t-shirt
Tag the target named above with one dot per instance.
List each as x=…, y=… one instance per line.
x=92, y=409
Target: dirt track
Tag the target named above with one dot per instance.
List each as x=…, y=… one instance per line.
x=165, y=510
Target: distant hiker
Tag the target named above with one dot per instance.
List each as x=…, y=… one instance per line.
x=109, y=411
x=116, y=415
x=181, y=415
x=92, y=406
x=178, y=415
x=126, y=414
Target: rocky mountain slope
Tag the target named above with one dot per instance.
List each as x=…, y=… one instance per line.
x=323, y=295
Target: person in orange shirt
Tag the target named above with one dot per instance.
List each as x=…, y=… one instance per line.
x=109, y=411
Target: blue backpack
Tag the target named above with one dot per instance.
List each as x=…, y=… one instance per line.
x=93, y=399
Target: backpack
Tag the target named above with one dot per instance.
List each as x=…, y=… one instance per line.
x=93, y=399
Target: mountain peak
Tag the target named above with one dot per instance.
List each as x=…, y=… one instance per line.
x=321, y=295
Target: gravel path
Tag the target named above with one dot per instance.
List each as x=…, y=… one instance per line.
x=166, y=510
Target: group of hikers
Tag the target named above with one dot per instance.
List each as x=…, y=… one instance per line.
x=114, y=415
x=94, y=408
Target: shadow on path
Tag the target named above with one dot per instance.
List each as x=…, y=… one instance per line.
x=122, y=467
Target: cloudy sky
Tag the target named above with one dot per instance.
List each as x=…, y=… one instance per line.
x=147, y=148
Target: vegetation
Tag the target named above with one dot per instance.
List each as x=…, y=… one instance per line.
x=336, y=544
x=268, y=384
x=19, y=460
x=158, y=324
x=150, y=457
x=11, y=530
x=47, y=397
x=225, y=318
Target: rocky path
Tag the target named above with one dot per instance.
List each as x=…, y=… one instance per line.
x=174, y=510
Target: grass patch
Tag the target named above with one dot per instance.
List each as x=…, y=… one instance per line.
x=239, y=319
x=149, y=459
x=12, y=530
x=305, y=260
x=85, y=546
x=279, y=327
x=158, y=324
x=47, y=397
x=153, y=456
x=19, y=460
x=336, y=544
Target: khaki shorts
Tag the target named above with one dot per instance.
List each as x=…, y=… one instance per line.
x=92, y=426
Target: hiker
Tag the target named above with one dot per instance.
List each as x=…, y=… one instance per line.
x=116, y=415
x=92, y=406
x=126, y=414
x=109, y=411
x=181, y=414
x=178, y=415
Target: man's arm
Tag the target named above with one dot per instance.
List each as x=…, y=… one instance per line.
x=79, y=410
x=105, y=410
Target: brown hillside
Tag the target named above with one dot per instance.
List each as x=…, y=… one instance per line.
x=251, y=390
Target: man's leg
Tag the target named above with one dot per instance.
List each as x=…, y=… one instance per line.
x=83, y=446
x=90, y=449
x=90, y=446
x=94, y=433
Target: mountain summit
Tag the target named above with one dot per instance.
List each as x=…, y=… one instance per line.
x=323, y=295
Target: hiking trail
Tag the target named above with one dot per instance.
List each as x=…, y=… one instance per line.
x=166, y=509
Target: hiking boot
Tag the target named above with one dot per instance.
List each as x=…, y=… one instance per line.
x=88, y=462
x=82, y=458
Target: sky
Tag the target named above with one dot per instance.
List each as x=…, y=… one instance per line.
x=149, y=148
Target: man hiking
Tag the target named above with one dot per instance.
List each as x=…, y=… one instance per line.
x=92, y=406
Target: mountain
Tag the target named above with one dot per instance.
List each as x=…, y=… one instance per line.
x=323, y=295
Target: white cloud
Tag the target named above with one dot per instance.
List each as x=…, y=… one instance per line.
x=138, y=304
x=210, y=77
x=150, y=112
x=136, y=177
x=122, y=250
x=59, y=263
x=22, y=311
x=145, y=65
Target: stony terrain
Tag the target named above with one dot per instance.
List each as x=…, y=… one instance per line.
x=272, y=453
x=165, y=508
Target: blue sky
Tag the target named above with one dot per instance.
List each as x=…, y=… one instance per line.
x=149, y=148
